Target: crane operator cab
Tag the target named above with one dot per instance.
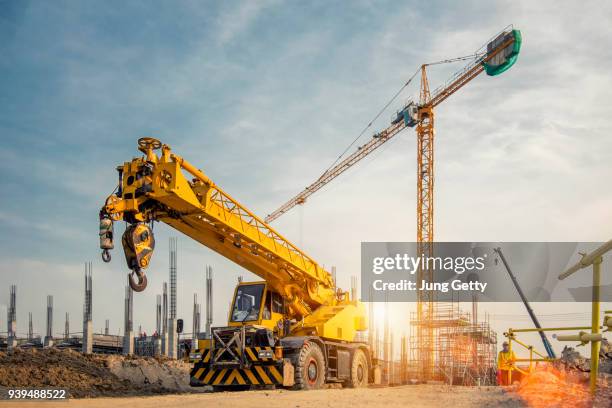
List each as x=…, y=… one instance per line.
x=247, y=352
x=259, y=348
x=254, y=304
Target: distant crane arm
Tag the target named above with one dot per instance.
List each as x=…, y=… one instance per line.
x=505, y=46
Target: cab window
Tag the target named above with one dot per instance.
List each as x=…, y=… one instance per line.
x=274, y=303
x=247, y=303
x=277, y=302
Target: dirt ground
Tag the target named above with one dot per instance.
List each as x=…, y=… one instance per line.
x=94, y=375
x=133, y=382
x=411, y=395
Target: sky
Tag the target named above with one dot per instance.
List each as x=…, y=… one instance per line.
x=263, y=96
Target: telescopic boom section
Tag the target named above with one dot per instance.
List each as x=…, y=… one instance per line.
x=154, y=188
x=495, y=57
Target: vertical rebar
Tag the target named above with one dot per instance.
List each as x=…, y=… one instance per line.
x=165, y=308
x=129, y=306
x=371, y=322
x=30, y=327
x=354, y=284
x=173, y=252
x=158, y=315
x=209, y=300
x=12, y=313
x=196, y=320
x=386, y=341
x=87, y=309
x=334, y=276
x=87, y=312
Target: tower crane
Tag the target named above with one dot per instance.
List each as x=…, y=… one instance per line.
x=494, y=58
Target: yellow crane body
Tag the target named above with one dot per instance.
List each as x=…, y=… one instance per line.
x=295, y=310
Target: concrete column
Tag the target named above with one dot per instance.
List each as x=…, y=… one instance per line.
x=48, y=342
x=11, y=341
x=172, y=339
x=87, y=337
x=128, y=343
x=164, y=344
x=157, y=347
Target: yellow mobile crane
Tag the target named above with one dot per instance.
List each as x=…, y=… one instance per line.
x=293, y=328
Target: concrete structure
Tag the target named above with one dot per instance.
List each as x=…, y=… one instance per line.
x=128, y=329
x=172, y=339
x=30, y=327
x=87, y=320
x=157, y=346
x=172, y=334
x=209, y=300
x=164, y=320
x=48, y=342
x=195, y=330
x=158, y=315
x=67, y=327
x=128, y=343
x=87, y=337
x=11, y=320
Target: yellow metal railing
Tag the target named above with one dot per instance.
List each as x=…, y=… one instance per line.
x=595, y=258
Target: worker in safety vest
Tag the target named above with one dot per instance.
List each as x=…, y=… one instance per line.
x=505, y=362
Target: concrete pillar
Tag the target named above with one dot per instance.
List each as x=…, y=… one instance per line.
x=157, y=346
x=87, y=337
x=164, y=344
x=11, y=341
x=48, y=342
x=172, y=339
x=128, y=343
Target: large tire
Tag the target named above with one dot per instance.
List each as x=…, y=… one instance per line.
x=359, y=370
x=310, y=368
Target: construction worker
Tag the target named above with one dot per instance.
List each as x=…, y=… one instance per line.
x=505, y=361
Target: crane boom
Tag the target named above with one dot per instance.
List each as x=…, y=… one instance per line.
x=157, y=190
x=504, y=43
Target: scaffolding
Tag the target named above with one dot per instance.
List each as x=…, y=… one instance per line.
x=463, y=350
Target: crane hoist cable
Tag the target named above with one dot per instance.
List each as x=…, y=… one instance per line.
x=371, y=122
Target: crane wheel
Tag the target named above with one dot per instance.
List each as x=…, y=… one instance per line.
x=359, y=370
x=310, y=368
x=138, y=282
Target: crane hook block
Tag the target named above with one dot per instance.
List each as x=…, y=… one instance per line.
x=138, y=245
